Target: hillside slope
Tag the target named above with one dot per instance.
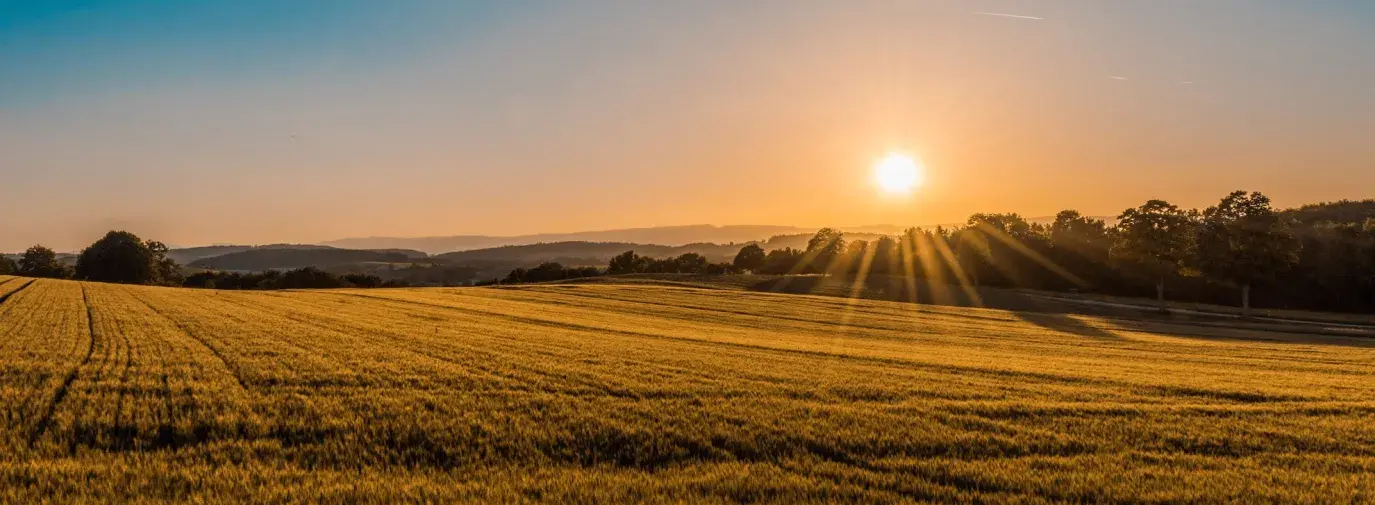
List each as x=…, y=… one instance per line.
x=269, y=259
x=663, y=235
x=606, y=393
x=597, y=253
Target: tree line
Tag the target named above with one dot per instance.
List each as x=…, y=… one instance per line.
x=119, y=257
x=1319, y=256
x=124, y=258
x=1222, y=254
x=300, y=278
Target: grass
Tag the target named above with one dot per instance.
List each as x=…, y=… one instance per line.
x=602, y=393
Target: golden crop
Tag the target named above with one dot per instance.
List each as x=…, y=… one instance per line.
x=604, y=393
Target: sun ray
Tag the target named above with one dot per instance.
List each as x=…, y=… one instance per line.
x=958, y=271
x=1019, y=247
x=932, y=268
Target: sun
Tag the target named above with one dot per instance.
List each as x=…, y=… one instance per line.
x=898, y=173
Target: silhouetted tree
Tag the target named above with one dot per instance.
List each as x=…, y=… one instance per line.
x=309, y=278
x=626, y=263
x=720, y=269
x=1335, y=268
x=853, y=258
x=923, y=254
x=972, y=253
x=516, y=276
x=1082, y=245
x=39, y=261
x=169, y=272
x=1158, y=237
x=690, y=263
x=1004, y=249
x=544, y=272
x=1241, y=242
x=122, y=257
x=549, y=271
x=750, y=258
x=781, y=261
x=823, y=249
x=7, y=266
x=885, y=256
x=363, y=280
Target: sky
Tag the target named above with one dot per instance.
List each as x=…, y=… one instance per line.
x=261, y=121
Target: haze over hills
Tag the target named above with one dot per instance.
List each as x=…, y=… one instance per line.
x=664, y=235
x=671, y=236
x=285, y=257
x=187, y=255
x=661, y=235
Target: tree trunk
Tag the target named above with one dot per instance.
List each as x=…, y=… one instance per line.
x=1160, y=295
x=1245, y=301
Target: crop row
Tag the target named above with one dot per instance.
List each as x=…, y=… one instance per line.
x=605, y=392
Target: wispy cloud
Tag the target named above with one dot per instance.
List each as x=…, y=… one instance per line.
x=1006, y=15
x=1118, y=77
x=1186, y=82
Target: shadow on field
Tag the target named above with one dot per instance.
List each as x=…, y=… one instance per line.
x=1058, y=315
x=1067, y=324
x=896, y=289
x=873, y=288
x=1240, y=331
x=1045, y=311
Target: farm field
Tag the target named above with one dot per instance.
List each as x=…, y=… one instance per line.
x=604, y=392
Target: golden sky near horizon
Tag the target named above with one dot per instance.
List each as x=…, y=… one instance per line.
x=428, y=119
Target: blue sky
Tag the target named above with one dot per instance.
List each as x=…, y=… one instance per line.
x=53, y=49
x=269, y=121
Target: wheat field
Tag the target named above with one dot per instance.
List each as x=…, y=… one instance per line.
x=603, y=393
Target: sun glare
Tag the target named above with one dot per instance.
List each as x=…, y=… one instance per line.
x=898, y=173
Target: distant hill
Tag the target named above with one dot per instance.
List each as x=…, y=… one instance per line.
x=799, y=240
x=187, y=255
x=599, y=252
x=68, y=259
x=264, y=258
x=1340, y=212
x=191, y=255
x=666, y=235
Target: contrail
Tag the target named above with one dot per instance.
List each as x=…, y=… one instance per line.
x=1118, y=77
x=1000, y=14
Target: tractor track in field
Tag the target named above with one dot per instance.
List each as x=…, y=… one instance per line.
x=233, y=369
x=46, y=421
x=5, y=297
x=124, y=377
x=166, y=384
x=405, y=345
